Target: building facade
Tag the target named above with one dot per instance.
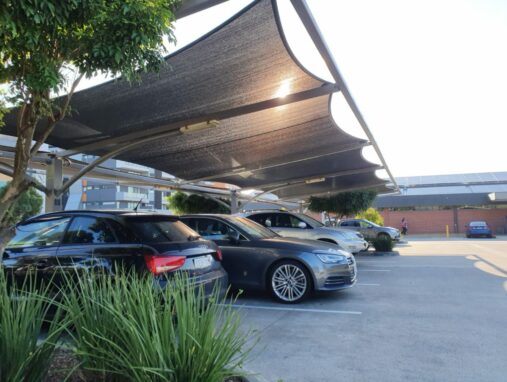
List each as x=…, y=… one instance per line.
x=433, y=204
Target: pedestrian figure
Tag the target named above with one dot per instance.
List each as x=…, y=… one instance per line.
x=404, y=226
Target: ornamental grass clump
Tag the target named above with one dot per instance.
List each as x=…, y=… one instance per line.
x=127, y=328
x=27, y=339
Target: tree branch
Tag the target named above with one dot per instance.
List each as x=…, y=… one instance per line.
x=9, y=171
x=53, y=119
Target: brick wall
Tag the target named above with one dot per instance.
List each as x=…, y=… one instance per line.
x=420, y=221
x=435, y=221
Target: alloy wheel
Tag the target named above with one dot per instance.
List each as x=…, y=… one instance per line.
x=289, y=282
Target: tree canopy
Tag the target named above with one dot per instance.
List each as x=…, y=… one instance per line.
x=343, y=203
x=181, y=203
x=48, y=46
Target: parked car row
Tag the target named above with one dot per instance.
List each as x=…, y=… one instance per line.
x=214, y=250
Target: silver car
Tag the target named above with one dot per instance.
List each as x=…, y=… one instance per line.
x=369, y=229
x=289, y=224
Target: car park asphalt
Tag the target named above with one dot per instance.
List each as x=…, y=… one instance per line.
x=437, y=312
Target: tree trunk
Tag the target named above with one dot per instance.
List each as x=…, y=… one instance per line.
x=18, y=185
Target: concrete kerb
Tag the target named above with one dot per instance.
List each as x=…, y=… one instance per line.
x=376, y=253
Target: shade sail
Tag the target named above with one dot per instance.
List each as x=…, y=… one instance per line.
x=274, y=122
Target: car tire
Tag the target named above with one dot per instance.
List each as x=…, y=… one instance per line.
x=289, y=282
x=383, y=235
x=468, y=236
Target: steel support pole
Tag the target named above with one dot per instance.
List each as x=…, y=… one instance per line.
x=234, y=202
x=157, y=203
x=54, y=183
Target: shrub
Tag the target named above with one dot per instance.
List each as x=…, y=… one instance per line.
x=372, y=215
x=383, y=244
x=24, y=356
x=127, y=329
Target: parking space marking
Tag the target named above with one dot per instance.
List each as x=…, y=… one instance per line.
x=364, y=284
x=287, y=309
x=374, y=270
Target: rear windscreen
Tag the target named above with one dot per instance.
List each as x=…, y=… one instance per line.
x=159, y=229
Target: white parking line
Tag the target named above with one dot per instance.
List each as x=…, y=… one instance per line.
x=364, y=284
x=373, y=270
x=294, y=309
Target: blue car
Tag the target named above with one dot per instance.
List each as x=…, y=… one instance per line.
x=479, y=229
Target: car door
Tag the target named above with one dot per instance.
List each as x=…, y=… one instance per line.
x=288, y=225
x=33, y=249
x=367, y=229
x=98, y=243
x=241, y=259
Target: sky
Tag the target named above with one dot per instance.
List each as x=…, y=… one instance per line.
x=430, y=78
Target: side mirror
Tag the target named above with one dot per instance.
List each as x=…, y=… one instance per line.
x=234, y=237
x=302, y=225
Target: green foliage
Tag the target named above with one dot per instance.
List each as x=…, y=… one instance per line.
x=372, y=215
x=181, y=203
x=383, y=244
x=126, y=329
x=37, y=37
x=24, y=355
x=28, y=204
x=343, y=203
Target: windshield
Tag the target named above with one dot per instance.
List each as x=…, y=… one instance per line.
x=310, y=221
x=255, y=230
x=373, y=224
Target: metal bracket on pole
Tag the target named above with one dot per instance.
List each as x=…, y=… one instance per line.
x=54, y=183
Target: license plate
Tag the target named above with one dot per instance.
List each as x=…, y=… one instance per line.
x=202, y=262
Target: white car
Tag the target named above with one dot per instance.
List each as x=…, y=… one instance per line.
x=289, y=224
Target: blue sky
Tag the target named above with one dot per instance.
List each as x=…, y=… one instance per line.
x=430, y=77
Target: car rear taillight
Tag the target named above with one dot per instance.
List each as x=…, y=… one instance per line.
x=161, y=264
x=218, y=255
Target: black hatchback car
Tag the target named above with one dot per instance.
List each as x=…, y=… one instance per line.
x=61, y=242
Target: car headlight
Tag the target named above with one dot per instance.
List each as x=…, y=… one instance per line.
x=330, y=259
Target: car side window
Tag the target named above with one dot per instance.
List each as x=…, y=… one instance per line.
x=124, y=234
x=47, y=232
x=282, y=221
x=89, y=230
x=363, y=224
x=295, y=222
x=264, y=219
x=212, y=229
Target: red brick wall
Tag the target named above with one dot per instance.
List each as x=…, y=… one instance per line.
x=420, y=221
x=435, y=221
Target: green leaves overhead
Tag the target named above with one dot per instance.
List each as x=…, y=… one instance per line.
x=343, y=203
x=181, y=203
x=37, y=37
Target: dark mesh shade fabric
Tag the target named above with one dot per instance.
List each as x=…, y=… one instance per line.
x=237, y=74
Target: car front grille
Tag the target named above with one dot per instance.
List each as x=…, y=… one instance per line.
x=350, y=260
